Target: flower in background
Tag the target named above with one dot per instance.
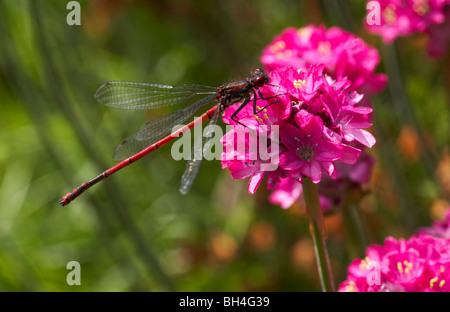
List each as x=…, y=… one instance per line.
x=320, y=126
x=439, y=35
x=439, y=228
x=421, y=263
x=343, y=55
x=403, y=18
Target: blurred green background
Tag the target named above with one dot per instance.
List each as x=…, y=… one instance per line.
x=135, y=231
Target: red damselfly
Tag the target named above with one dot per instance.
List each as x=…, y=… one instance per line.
x=152, y=135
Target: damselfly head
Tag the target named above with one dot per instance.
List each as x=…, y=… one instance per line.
x=259, y=77
x=257, y=72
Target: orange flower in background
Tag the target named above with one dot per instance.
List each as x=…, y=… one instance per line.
x=443, y=172
x=262, y=236
x=100, y=14
x=223, y=246
x=408, y=142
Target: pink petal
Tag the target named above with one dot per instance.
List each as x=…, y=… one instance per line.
x=287, y=192
x=350, y=155
x=375, y=84
x=313, y=170
x=312, y=126
x=296, y=175
x=354, y=98
x=360, y=135
x=362, y=170
x=239, y=170
x=290, y=136
x=309, y=88
x=255, y=181
x=327, y=151
x=354, y=120
x=303, y=117
x=290, y=161
x=330, y=169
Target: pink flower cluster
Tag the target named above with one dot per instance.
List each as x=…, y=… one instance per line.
x=320, y=126
x=421, y=263
x=343, y=54
x=403, y=18
x=323, y=128
x=439, y=228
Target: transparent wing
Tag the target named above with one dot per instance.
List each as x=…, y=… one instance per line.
x=158, y=127
x=141, y=95
x=193, y=165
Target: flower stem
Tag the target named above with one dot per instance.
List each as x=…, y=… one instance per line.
x=356, y=235
x=317, y=228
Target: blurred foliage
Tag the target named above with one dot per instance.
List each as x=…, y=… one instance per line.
x=135, y=231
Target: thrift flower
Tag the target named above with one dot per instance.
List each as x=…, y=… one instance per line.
x=421, y=263
x=343, y=55
x=403, y=18
x=439, y=35
x=320, y=126
x=439, y=228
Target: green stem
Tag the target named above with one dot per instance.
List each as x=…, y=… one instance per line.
x=356, y=235
x=311, y=195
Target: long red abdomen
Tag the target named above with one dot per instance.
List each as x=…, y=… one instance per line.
x=86, y=185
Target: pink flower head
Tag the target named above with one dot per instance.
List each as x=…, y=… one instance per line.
x=420, y=263
x=439, y=36
x=439, y=228
x=395, y=21
x=403, y=18
x=341, y=53
x=320, y=126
